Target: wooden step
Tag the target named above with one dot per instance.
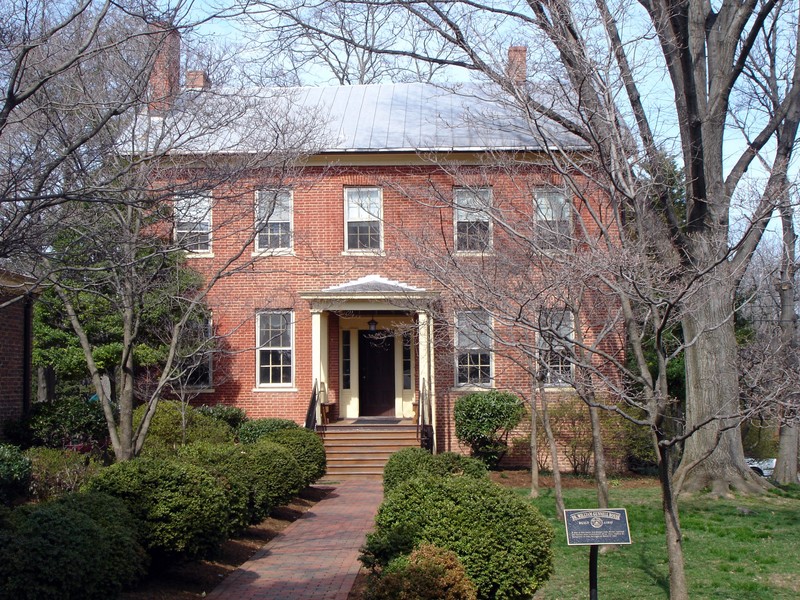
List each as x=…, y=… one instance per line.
x=361, y=450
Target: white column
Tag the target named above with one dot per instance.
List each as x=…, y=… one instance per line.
x=319, y=352
x=426, y=362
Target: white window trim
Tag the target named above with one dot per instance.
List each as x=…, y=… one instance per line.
x=546, y=188
x=208, y=252
x=283, y=387
x=541, y=347
x=469, y=386
x=284, y=251
x=361, y=251
x=490, y=245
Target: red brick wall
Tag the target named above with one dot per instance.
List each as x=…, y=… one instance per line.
x=13, y=360
x=415, y=223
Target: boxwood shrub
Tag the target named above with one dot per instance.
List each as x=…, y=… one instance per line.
x=483, y=420
x=83, y=546
x=181, y=508
x=307, y=448
x=275, y=475
x=414, y=462
x=250, y=432
x=502, y=540
x=15, y=473
x=428, y=573
x=232, y=469
x=231, y=415
x=175, y=425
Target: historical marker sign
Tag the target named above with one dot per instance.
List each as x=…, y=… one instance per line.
x=597, y=526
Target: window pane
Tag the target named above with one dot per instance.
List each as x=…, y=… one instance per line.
x=553, y=219
x=472, y=218
x=273, y=219
x=555, y=347
x=473, y=348
x=363, y=213
x=193, y=222
x=275, y=348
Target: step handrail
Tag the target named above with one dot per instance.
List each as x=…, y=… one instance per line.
x=313, y=409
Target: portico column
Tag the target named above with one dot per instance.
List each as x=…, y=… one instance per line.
x=426, y=370
x=319, y=352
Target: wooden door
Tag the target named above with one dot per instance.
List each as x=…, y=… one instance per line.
x=375, y=374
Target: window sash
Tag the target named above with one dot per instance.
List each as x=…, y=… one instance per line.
x=193, y=222
x=473, y=348
x=553, y=228
x=274, y=219
x=473, y=232
x=275, y=351
x=200, y=374
x=363, y=208
x=555, y=348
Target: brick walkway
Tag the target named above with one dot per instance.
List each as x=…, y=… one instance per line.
x=314, y=558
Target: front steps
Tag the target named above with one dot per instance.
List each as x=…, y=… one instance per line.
x=360, y=449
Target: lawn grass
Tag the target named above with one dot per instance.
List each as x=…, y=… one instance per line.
x=744, y=548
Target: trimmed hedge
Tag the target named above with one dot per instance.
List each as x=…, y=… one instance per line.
x=414, y=462
x=429, y=573
x=55, y=472
x=181, y=508
x=307, y=448
x=70, y=421
x=275, y=475
x=231, y=415
x=166, y=433
x=483, y=420
x=502, y=540
x=232, y=469
x=83, y=546
x=250, y=432
x=15, y=473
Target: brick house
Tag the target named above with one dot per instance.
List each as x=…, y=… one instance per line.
x=16, y=325
x=337, y=297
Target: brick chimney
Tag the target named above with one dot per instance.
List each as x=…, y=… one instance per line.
x=197, y=80
x=165, y=76
x=517, y=67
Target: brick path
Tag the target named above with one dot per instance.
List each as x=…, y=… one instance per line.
x=314, y=558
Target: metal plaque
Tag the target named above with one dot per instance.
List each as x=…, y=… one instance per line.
x=597, y=526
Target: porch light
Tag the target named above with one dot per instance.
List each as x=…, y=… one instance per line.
x=372, y=324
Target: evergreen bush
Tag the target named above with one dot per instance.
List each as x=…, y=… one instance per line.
x=429, y=573
x=181, y=508
x=175, y=425
x=306, y=447
x=414, y=462
x=231, y=415
x=502, y=540
x=250, y=432
x=83, y=546
x=483, y=420
x=275, y=475
x=15, y=473
x=69, y=422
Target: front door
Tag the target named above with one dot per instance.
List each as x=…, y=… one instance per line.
x=375, y=374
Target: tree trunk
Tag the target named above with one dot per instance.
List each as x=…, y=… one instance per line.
x=788, y=447
x=678, y=588
x=534, y=493
x=600, y=476
x=713, y=455
x=553, y=458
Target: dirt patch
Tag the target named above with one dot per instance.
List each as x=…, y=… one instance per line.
x=195, y=579
x=521, y=478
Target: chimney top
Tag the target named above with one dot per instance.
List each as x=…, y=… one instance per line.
x=165, y=74
x=517, y=67
x=197, y=80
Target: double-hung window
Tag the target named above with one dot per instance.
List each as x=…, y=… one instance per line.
x=473, y=226
x=553, y=214
x=196, y=368
x=556, y=328
x=274, y=355
x=273, y=220
x=473, y=338
x=363, y=213
x=193, y=222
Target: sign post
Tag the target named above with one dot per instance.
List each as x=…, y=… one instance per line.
x=595, y=527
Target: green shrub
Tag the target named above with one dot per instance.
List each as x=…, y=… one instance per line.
x=231, y=415
x=70, y=421
x=181, y=508
x=83, y=546
x=232, y=469
x=252, y=431
x=275, y=475
x=307, y=448
x=483, y=420
x=414, y=462
x=175, y=425
x=55, y=471
x=502, y=540
x=429, y=573
x=15, y=473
